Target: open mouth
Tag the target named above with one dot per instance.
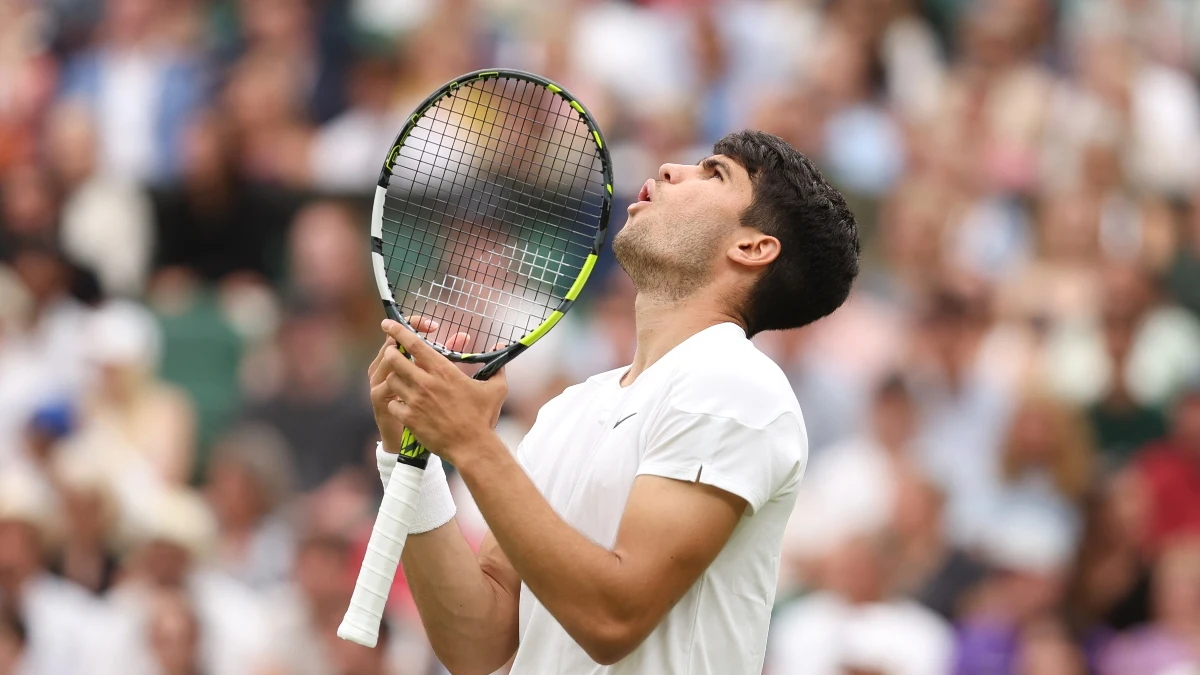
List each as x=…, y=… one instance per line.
x=644, y=193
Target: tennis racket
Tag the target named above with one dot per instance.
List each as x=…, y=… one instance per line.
x=490, y=212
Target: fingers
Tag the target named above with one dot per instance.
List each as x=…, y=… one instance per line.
x=381, y=394
x=422, y=323
x=374, y=370
x=459, y=342
x=397, y=365
x=426, y=356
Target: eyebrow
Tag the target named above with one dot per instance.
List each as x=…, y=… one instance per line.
x=712, y=164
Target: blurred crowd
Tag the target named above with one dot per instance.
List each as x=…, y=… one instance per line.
x=1004, y=419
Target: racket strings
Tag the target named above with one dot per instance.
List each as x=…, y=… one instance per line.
x=495, y=199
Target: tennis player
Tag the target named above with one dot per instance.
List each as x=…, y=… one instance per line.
x=638, y=527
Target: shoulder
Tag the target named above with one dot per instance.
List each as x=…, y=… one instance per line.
x=723, y=374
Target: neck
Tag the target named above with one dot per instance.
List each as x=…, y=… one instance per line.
x=663, y=325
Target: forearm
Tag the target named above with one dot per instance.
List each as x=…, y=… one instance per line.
x=579, y=582
x=470, y=618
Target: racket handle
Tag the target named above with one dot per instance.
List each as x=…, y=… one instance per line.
x=396, y=515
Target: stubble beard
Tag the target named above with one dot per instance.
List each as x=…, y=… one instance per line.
x=668, y=272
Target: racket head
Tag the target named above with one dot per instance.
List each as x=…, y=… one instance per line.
x=490, y=212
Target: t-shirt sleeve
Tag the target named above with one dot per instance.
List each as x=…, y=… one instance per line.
x=753, y=462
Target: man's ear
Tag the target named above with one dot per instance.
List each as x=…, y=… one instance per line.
x=754, y=249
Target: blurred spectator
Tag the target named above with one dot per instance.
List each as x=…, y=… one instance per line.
x=1183, y=275
x=1171, y=644
x=203, y=350
x=964, y=409
x=34, y=453
x=174, y=634
x=60, y=617
x=326, y=266
x=1030, y=558
x=853, y=623
x=311, y=37
x=172, y=543
x=249, y=484
x=27, y=78
x=133, y=428
x=851, y=488
x=263, y=101
x=101, y=208
x=1165, y=347
x=1046, y=461
x=345, y=151
x=88, y=554
x=327, y=423
x=311, y=604
x=40, y=358
x=29, y=207
x=924, y=565
x=1119, y=422
x=1110, y=585
x=1170, y=475
x=212, y=223
x=141, y=88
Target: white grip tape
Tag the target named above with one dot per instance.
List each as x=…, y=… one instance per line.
x=396, y=515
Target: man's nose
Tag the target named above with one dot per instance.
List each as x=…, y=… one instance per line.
x=673, y=173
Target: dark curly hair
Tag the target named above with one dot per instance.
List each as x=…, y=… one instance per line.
x=818, y=235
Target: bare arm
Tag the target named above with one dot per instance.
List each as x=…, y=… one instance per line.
x=608, y=601
x=467, y=603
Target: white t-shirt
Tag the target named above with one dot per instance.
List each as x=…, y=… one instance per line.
x=713, y=410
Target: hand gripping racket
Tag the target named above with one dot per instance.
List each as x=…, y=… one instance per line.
x=489, y=214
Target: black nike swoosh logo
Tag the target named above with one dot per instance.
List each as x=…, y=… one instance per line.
x=623, y=419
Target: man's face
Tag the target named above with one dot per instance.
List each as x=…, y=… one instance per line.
x=680, y=225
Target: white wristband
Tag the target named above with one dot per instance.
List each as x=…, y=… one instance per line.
x=436, y=506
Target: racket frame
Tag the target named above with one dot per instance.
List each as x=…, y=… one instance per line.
x=398, y=510
x=495, y=359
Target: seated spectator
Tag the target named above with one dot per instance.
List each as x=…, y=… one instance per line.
x=172, y=546
x=851, y=488
x=1110, y=585
x=1046, y=461
x=59, y=616
x=324, y=415
x=133, y=427
x=1171, y=643
x=1030, y=557
x=1120, y=424
x=311, y=604
x=140, y=88
x=249, y=484
x=925, y=566
x=1170, y=474
x=173, y=632
x=1164, y=348
x=88, y=553
x=964, y=390
x=854, y=625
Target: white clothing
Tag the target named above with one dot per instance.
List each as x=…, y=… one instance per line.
x=822, y=634
x=61, y=618
x=713, y=410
